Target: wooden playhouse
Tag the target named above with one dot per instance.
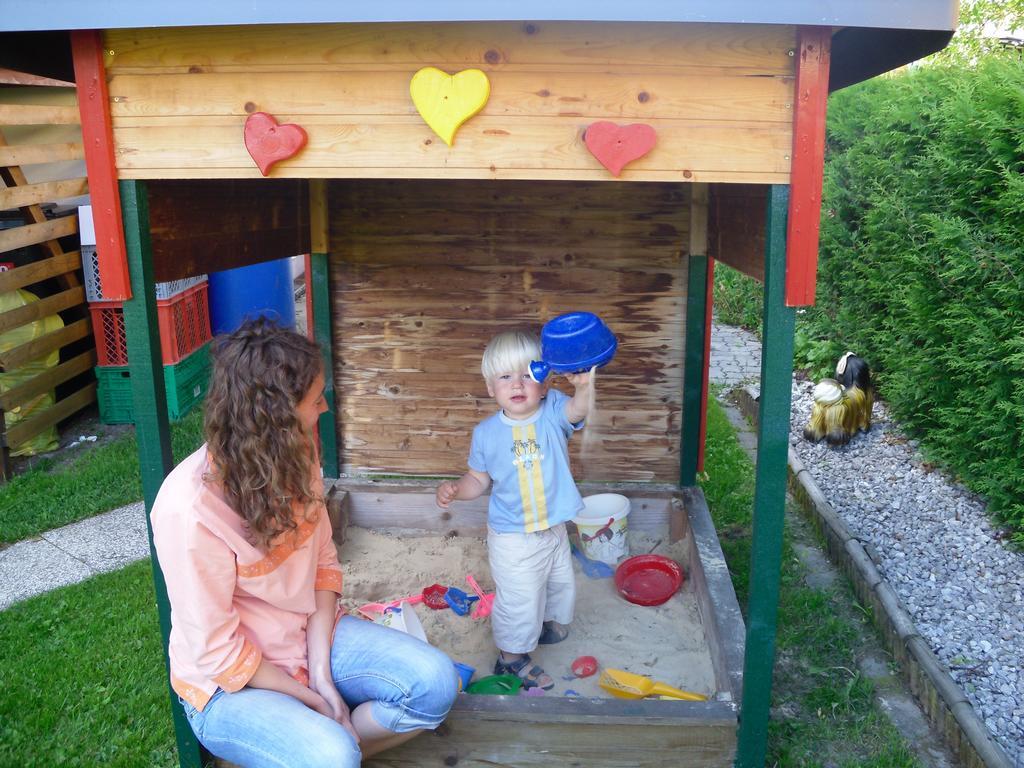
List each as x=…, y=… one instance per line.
x=419, y=251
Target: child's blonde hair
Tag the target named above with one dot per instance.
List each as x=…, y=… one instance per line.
x=509, y=351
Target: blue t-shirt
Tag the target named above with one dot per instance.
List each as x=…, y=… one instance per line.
x=528, y=462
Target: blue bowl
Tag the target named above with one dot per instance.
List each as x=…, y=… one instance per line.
x=574, y=342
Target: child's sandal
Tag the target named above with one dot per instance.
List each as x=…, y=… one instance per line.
x=552, y=634
x=521, y=668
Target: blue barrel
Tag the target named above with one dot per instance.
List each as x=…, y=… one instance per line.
x=248, y=292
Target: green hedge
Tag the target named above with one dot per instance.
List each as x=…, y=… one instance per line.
x=738, y=299
x=922, y=262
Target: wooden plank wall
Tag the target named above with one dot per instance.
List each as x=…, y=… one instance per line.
x=41, y=131
x=423, y=273
x=720, y=97
x=199, y=227
x=736, y=226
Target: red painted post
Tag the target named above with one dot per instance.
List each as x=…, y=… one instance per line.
x=709, y=288
x=98, y=140
x=808, y=161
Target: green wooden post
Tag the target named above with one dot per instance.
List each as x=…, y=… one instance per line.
x=769, y=491
x=322, y=329
x=149, y=403
x=694, y=363
x=693, y=368
x=320, y=238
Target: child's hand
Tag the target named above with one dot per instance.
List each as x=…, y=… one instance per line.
x=579, y=380
x=578, y=408
x=446, y=493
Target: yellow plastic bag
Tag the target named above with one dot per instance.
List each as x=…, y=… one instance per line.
x=47, y=439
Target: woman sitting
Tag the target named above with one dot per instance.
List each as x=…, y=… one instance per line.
x=267, y=673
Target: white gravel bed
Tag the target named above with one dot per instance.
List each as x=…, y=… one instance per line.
x=935, y=546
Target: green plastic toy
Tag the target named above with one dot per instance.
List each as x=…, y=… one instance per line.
x=496, y=685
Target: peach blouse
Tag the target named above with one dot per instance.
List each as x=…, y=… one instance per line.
x=231, y=603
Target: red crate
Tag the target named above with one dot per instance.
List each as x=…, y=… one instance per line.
x=184, y=322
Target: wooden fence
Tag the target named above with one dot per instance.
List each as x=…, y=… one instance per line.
x=49, y=272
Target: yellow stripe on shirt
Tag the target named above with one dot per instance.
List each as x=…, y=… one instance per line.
x=540, y=500
x=529, y=519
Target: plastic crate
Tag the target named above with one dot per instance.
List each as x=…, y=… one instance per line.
x=184, y=322
x=172, y=288
x=94, y=289
x=186, y=383
x=91, y=272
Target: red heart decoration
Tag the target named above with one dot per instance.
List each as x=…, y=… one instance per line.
x=615, y=145
x=268, y=141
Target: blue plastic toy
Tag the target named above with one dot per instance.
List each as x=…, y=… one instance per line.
x=592, y=569
x=573, y=343
x=465, y=673
x=459, y=601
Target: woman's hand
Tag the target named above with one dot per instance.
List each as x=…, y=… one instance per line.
x=324, y=696
x=328, y=702
x=318, y=703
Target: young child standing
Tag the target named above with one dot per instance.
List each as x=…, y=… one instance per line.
x=523, y=450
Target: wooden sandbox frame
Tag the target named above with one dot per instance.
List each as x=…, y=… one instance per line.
x=595, y=732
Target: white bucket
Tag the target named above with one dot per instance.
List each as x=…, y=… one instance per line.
x=404, y=619
x=602, y=527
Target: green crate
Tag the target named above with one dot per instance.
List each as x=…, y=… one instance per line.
x=186, y=383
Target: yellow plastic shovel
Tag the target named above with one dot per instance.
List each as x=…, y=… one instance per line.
x=626, y=685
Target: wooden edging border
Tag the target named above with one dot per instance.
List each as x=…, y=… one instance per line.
x=943, y=701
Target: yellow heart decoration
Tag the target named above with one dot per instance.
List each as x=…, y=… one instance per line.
x=447, y=101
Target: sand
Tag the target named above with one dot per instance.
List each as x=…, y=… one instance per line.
x=664, y=642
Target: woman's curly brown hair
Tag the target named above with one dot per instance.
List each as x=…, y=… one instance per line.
x=259, y=453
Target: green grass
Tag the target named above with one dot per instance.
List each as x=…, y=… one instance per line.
x=99, y=478
x=83, y=677
x=823, y=710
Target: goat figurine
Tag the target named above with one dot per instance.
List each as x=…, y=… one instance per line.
x=842, y=406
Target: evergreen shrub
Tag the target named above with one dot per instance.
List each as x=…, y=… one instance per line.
x=921, y=266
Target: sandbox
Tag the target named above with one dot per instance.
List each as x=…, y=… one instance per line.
x=395, y=541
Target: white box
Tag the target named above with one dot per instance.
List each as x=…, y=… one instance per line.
x=86, y=230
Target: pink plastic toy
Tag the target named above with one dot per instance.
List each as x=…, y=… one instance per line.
x=381, y=607
x=486, y=600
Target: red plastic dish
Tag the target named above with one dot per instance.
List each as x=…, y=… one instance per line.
x=433, y=597
x=648, y=579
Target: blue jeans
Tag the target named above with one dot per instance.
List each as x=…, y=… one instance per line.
x=412, y=686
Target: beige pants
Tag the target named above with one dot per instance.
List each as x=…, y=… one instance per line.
x=534, y=583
